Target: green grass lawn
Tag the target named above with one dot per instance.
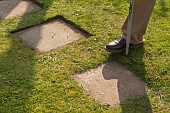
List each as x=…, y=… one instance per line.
x=44, y=83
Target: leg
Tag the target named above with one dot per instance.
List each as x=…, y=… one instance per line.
x=142, y=12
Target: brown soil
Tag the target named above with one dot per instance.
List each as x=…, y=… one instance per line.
x=111, y=84
x=49, y=36
x=14, y=8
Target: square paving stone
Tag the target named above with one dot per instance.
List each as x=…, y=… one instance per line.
x=14, y=8
x=111, y=84
x=49, y=36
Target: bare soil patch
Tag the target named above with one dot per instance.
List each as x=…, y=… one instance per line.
x=14, y=8
x=111, y=84
x=49, y=36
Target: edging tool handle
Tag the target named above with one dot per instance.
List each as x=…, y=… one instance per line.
x=129, y=27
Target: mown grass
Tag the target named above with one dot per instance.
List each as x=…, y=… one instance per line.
x=44, y=83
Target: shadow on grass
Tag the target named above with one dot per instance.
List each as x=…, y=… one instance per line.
x=135, y=62
x=17, y=73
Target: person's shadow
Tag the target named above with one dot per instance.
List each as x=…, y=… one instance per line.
x=17, y=64
x=128, y=84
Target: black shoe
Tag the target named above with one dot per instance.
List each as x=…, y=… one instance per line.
x=119, y=46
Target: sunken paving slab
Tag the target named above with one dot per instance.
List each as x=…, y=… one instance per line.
x=111, y=84
x=49, y=36
x=14, y=8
